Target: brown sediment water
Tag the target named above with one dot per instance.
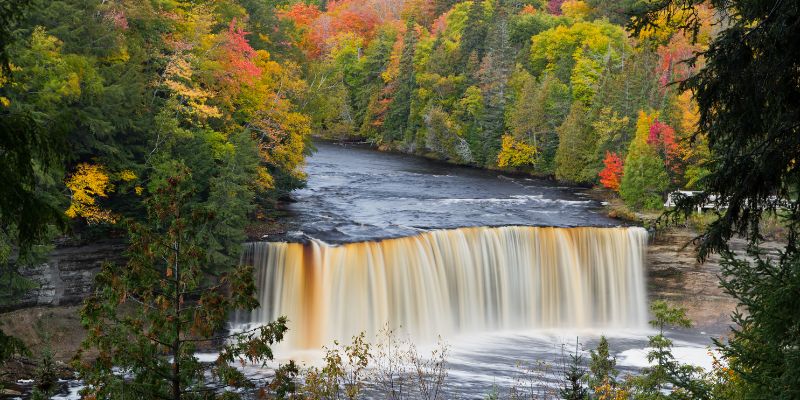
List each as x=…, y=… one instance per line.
x=450, y=282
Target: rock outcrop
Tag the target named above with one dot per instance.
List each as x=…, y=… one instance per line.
x=675, y=275
x=67, y=276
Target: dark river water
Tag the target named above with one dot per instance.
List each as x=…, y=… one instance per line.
x=356, y=194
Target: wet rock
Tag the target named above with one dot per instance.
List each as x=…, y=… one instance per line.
x=67, y=276
x=9, y=393
x=675, y=274
x=20, y=372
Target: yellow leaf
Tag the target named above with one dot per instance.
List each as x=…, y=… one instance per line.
x=86, y=184
x=127, y=175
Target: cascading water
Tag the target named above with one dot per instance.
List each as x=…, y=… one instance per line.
x=449, y=282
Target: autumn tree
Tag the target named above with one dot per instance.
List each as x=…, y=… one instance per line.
x=267, y=30
x=611, y=175
x=662, y=139
x=150, y=316
x=554, y=6
x=515, y=154
x=645, y=179
x=87, y=185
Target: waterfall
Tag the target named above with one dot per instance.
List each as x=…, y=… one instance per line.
x=452, y=281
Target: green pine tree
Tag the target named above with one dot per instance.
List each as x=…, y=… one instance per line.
x=657, y=381
x=400, y=107
x=576, y=154
x=473, y=36
x=493, y=77
x=602, y=366
x=148, y=317
x=572, y=381
x=644, y=180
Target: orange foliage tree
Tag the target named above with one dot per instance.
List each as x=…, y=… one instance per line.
x=359, y=17
x=611, y=175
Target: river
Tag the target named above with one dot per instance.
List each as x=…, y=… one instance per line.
x=365, y=215
x=355, y=193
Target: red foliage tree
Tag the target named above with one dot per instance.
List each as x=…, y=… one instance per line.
x=662, y=138
x=356, y=19
x=301, y=14
x=361, y=17
x=528, y=9
x=672, y=65
x=239, y=55
x=611, y=175
x=554, y=6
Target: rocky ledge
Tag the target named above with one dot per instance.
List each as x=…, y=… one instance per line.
x=66, y=277
x=675, y=275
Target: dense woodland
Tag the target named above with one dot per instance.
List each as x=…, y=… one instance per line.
x=176, y=124
x=123, y=93
x=557, y=89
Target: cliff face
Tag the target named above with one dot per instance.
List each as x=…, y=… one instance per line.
x=67, y=276
x=675, y=275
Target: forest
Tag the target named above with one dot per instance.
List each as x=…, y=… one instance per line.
x=121, y=94
x=555, y=89
x=182, y=126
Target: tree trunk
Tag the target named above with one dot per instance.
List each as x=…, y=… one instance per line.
x=176, y=345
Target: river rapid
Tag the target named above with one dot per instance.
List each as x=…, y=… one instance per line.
x=356, y=194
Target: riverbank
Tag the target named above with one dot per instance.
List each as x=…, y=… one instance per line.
x=53, y=333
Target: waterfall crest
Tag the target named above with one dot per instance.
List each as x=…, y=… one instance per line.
x=452, y=281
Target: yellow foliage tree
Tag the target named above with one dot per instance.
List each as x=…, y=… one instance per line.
x=87, y=184
x=669, y=24
x=516, y=154
x=575, y=9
